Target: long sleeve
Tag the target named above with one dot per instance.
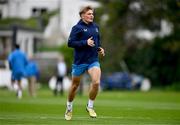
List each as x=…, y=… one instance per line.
x=99, y=43
x=74, y=40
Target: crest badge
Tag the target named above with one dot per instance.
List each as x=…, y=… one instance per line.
x=85, y=30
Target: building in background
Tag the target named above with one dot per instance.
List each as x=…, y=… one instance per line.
x=30, y=38
x=26, y=8
x=59, y=25
x=69, y=13
x=27, y=38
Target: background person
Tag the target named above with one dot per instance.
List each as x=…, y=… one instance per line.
x=17, y=63
x=85, y=40
x=32, y=74
x=61, y=72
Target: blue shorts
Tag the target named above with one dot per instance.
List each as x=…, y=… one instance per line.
x=17, y=76
x=78, y=70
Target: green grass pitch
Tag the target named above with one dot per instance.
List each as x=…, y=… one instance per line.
x=113, y=108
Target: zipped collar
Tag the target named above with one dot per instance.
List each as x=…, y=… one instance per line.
x=83, y=23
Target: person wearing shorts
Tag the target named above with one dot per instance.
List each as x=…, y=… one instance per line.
x=17, y=63
x=85, y=40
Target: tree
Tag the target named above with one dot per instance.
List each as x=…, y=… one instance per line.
x=119, y=21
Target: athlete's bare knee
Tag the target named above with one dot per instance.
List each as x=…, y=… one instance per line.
x=96, y=82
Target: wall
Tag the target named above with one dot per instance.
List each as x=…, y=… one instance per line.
x=23, y=8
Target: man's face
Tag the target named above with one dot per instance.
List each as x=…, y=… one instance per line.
x=88, y=16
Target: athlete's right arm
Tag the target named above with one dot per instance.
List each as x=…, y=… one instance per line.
x=73, y=40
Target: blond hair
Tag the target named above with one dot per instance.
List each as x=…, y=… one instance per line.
x=85, y=9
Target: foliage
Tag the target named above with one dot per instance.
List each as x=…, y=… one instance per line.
x=173, y=87
x=33, y=22
x=167, y=59
x=68, y=54
x=157, y=59
x=112, y=34
x=46, y=16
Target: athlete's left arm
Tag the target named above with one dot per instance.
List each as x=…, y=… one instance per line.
x=100, y=49
x=99, y=41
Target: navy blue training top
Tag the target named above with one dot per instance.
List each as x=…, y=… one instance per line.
x=80, y=33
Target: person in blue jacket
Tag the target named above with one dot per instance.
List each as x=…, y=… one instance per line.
x=32, y=74
x=85, y=40
x=17, y=63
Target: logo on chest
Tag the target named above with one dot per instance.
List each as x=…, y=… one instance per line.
x=96, y=30
x=85, y=30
